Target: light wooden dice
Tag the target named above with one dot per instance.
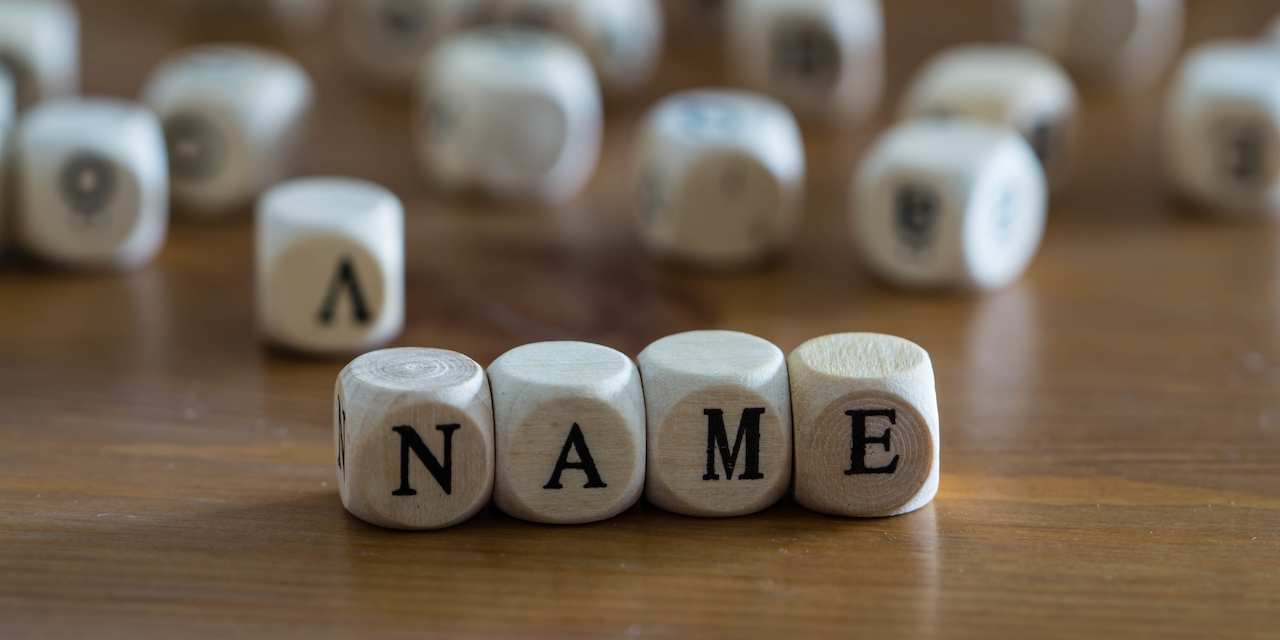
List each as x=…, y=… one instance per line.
x=40, y=44
x=570, y=430
x=413, y=432
x=719, y=416
x=940, y=204
x=718, y=178
x=387, y=40
x=91, y=184
x=821, y=57
x=514, y=113
x=330, y=265
x=1003, y=84
x=235, y=120
x=623, y=38
x=1222, y=129
x=1118, y=45
x=866, y=425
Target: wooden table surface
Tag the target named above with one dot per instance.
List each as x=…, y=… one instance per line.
x=1110, y=424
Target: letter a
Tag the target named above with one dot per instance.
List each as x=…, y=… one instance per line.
x=345, y=277
x=576, y=441
x=410, y=440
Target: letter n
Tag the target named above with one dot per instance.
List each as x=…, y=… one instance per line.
x=411, y=441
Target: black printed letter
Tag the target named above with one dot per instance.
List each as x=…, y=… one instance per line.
x=748, y=427
x=345, y=277
x=576, y=441
x=858, y=464
x=409, y=439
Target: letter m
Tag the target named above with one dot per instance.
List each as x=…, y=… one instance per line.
x=717, y=439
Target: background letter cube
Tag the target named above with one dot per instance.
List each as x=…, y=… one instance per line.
x=388, y=39
x=92, y=187
x=513, y=112
x=948, y=204
x=1002, y=84
x=569, y=420
x=413, y=432
x=821, y=57
x=623, y=38
x=235, y=119
x=1222, y=128
x=40, y=43
x=1121, y=45
x=719, y=413
x=719, y=178
x=330, y=265
x=866, y=425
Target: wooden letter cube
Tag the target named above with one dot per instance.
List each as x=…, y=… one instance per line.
x=569, y=420
x=949, y=204
x=623, y=38
x=719, y=414
x=719, y=178
x=235, y=119
x=514, y=113
x=821, y=57
x=1222, y=128
x=40, y=44
x=1120, y=45
x=330, y=265
x=413, y=431
x=387, y=39
x=92, y=187
x=866, y=425
x=1002, y=84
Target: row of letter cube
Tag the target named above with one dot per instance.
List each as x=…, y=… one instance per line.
x=707, y=424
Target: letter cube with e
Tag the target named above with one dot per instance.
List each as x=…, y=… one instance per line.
x=413, y=431
x=948, y=204
x=1122, y=45
x=719, y=415
x=388, y=39
x=1002, y=84
x=569, y=421
x=623, y=38
x=40, y=44
x=92, y=186
x=719, y=178
x=1222, y=128
x=866, y=425
x=821, y=57
x=513, y=112
x=330, y=265
x=234, y=118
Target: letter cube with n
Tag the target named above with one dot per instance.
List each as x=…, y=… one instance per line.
x=948, y=204
x=330, y=265
x=719, y=414
x=866, y=425
x=570, y=431
x=234, y=118
x=413, y=432
x=1002, y=84
x=1222, y=128
x=92, y=188
x=40, y=45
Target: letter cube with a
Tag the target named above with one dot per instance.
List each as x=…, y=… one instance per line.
x=234, y=119
x=866, y=425
x=40, y=44
x=718, y=177
x=948, y=204
x=387, y=39
x=413, y=432
x=1222, y=128
x=623, y=38
x=330, y=265
x=1003, y=84
x=514, y=113
x=1122, y=45
x=91, y=184
x=821, y=57
x=570, y=431
x=719, y=415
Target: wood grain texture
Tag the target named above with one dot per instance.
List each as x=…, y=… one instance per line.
x=1110, y=424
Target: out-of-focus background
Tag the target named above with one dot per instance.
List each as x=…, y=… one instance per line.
x=1110, y=422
